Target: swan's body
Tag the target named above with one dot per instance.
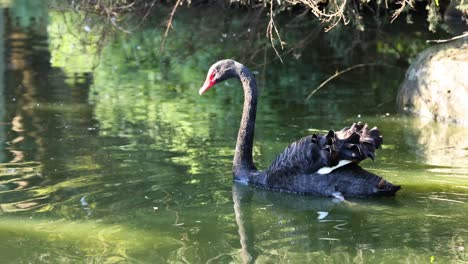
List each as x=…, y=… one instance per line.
x=318, y=164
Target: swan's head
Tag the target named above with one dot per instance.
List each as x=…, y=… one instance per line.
x=220, y=71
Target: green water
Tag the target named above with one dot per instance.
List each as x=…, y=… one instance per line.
x=108, y=154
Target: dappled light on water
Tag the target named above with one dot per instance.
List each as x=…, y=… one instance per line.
x=109, y=154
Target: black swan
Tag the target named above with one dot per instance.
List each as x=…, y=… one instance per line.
x=324, y=165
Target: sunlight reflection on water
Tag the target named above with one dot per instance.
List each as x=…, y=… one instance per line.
x=124, y=162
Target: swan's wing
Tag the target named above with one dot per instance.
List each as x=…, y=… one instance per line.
x=302, y=156
x=311, y=153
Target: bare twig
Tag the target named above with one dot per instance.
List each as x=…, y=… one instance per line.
x=116, y=11
x=270, y=28
x=147, y=13
x=337, y=17
x=333, y=17
x=402, y=7
x=169, y=24
x=338, y=73
x=384, y=102
x=465, y=34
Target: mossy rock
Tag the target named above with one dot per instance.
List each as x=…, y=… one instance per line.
x=436, y=84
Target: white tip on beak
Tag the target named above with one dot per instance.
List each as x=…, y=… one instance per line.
x=206, y=86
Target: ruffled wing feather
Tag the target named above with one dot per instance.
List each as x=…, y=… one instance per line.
x=311, y=153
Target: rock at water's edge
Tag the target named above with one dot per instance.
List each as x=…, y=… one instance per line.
x=436, y=84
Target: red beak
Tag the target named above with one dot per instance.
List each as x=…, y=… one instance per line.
x=207, y=85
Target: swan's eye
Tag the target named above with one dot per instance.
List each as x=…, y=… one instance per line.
x=213, y=74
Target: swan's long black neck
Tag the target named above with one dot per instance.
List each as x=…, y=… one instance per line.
x=243, y=161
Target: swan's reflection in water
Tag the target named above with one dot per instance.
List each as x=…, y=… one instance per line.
x=245, y=210
x=241, y=196
x=275, y=226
